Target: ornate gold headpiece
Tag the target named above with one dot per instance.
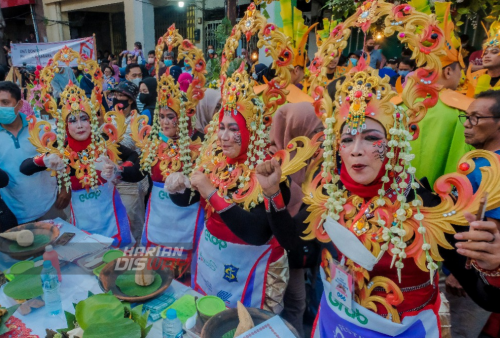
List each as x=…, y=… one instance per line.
x=73, y=101
x=169, y=94
x=237, y=96
x=364, y=94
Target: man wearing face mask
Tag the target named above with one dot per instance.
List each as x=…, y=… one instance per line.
x=210, y=52
x=150, y=65
x=133, y=73
x=375, y=54
x=132, y=194
x=406, y=66
x=168, y=58
x=29, y=198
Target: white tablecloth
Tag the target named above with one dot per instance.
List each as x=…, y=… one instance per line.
x=75, y=286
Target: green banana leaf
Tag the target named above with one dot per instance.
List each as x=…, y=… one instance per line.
x=126, y=283
x=38, y=241
x=119, y=328
x=27, y=285
x=101, y=308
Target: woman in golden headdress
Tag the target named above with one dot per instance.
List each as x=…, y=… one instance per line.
x=84, y=160
x=238, y=259
x=168, y=153
x=365, y=207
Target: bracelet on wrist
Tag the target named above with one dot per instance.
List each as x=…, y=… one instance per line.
x=487, y=273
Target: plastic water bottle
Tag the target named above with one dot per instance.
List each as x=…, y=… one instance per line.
x=51, y=255
x=172, y=326
x=50, y=285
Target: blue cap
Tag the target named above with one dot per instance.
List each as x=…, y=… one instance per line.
x=171, y=314
x=47, y=264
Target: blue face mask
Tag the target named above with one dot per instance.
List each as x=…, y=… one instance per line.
x=403, y=73
x=7, y=115
x=168, y=63
x=353, y=61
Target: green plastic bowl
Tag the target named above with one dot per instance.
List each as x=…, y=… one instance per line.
x=21, y=267
x=209, y=306
x=111, y=255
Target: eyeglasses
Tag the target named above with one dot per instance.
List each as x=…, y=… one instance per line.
x=474, y=120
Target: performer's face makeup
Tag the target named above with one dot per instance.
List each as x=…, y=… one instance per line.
x=363, y=154
x=491, y=57
x=168, y=122
x=79, y=126
x=229, y=137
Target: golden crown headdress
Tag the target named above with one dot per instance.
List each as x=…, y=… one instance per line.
x=363, y=94
x=238, y=96
x=237, y=90
x=169, y=95
x=73, y=101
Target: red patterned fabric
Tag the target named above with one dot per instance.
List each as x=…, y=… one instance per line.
x=17, y=329
x=218, y=202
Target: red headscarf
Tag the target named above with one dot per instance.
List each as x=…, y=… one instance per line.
x=245, y=137
x=365, y=191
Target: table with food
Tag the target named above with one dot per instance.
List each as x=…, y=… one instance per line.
x=59, y=281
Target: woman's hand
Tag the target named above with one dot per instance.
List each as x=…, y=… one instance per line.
x=453, y=287
x=176, y=183
x=109, y=170
x=200, y=182
x=481, y=243
x=54, y=162
x=269, y=175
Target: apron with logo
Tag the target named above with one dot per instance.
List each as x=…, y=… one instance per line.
x=169, y=225
x=335, y=320
x=232, y=271
x=101, y=211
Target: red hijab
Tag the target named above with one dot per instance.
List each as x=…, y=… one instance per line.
x=245, y=137
x=365, y=191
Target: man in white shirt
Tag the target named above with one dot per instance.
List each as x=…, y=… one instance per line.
x=30, y=198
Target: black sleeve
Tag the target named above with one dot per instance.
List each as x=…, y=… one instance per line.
x=133, y=173
x=252, y=226
x=185, y=199
x=483, y=294
x=4, y=179
x=28, y=167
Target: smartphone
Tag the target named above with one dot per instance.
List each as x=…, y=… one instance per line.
x=65, y=238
